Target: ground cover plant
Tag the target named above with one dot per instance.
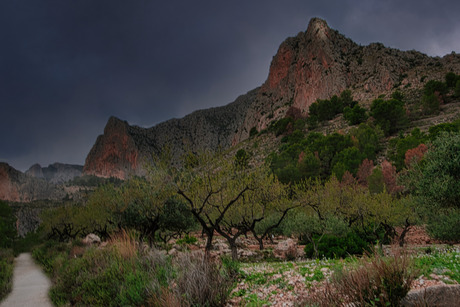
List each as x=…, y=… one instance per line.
x=6, y=272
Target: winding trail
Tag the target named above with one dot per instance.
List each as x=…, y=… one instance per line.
x=30, y=285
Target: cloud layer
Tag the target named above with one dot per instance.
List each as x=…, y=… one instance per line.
x=66, y=66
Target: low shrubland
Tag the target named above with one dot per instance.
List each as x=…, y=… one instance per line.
x=126, y=273
x=6, y=271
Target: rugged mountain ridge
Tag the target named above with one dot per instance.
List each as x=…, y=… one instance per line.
x=55, y=173
x=19, y=187
x=124, y=150
x=315, y=64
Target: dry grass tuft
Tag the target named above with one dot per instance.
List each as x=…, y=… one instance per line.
x=377, y=281
x=201, y=281
x=125, y=242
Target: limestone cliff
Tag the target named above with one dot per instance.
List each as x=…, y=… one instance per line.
x=315, y=64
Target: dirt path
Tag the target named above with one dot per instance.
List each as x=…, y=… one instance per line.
x=30, y=285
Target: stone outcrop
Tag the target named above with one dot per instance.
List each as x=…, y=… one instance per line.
x=55, y=173
x=9, y=179
x=315, y=64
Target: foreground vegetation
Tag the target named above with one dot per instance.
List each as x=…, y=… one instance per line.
x=6, y=272
x=126, y=274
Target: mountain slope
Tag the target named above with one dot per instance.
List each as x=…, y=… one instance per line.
x=315, y=64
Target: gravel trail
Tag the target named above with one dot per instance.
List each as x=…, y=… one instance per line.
x=30, y=285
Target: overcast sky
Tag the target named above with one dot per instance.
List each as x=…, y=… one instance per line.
x=67, y=66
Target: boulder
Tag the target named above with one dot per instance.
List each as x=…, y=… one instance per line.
x=286, y=249
x=91, y=239
x=439, y=296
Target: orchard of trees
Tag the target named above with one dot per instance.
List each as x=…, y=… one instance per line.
x=330, y=191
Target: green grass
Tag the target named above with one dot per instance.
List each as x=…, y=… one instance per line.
x=440, y=262
x=6, y=272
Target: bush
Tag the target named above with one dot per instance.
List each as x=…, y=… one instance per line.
x=201, y=282
x=6, y=272
x=451, y=79
x=434, y=86
x=121, y=274
x=445, y=224
x=187, y=240
x=430, y=104
x=7, y=225
x=437, y=188
x=330, y=246
x=376, y=281
x=26, y=244
x=355, y=115
x=457, y=89
x=390, y=115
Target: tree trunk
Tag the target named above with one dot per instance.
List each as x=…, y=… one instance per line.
x=261, y=243
x=208, y=247
x=402, y=237
x=234, y=249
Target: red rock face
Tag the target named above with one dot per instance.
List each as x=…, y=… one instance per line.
x=8, y=190
x=115, y=153
x=304, y=67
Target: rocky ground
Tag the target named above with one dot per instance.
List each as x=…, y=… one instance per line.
x=289, y=281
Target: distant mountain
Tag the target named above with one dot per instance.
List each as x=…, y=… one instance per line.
x=19, y=187
x=56, y=172
x=315, y=64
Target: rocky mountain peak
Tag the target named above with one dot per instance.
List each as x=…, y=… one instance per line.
x=315, y=64
x=116, y=124
x=115, y=153
x=35, y=171
x=318, y=29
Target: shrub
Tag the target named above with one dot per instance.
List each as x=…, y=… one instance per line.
x=7, y=225
x=399, y=146
x=434, y=86
x=330, y=246
x=457, y=89
x=377, y=281
x=6, y=272
x=121, y=274
x=390, y=115
x=201, y=282
x=187, y=240
x=437, y=189
x=430, y=104
x=451, y=78
x=354, y=115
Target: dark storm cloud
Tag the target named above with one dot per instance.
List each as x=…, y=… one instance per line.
x=66, y=66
